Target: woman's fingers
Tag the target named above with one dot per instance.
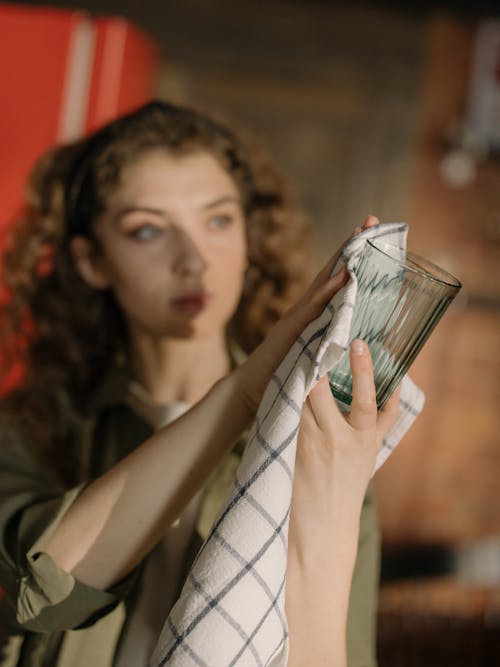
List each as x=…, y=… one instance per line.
x=309, y=307
x=330, y=287
x=323, y=405
x=370, y=221
x=324, y=275
x=326, y=271
x=321, y=281
x=363, y=415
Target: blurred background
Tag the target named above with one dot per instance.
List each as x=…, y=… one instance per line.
x=387, y=108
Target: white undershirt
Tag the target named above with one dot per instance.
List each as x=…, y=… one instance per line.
x=165, y=564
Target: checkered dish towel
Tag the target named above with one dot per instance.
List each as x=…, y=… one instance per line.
x=232, y=608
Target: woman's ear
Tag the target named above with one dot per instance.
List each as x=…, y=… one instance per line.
x=90, y=264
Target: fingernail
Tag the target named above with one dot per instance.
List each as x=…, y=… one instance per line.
x=358, y=347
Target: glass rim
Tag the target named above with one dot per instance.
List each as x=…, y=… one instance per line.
x=448, y=279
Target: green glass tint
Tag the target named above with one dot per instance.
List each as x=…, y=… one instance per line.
x=399, y=302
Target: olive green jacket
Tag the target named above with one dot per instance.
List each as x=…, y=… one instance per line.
x=50, y=619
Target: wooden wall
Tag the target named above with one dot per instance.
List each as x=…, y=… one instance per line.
x=442, y=485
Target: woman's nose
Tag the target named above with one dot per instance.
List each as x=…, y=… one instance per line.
x=188, y=258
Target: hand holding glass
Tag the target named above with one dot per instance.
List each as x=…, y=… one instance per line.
x=398, y=304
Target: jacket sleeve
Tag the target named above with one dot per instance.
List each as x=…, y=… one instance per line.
x=362, y=618
x=38, y=595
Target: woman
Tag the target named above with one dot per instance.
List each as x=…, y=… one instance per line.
x=148, y=251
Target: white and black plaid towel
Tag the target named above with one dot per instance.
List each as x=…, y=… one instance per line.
x=232, y=607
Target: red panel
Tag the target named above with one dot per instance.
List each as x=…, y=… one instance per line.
x=61, y=74
x=34, y=50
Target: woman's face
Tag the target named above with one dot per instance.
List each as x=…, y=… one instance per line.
x=173, y=245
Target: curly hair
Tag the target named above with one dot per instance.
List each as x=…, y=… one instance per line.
x=66, y=331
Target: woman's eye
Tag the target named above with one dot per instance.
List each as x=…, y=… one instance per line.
x=145, y=232
x=220, y=221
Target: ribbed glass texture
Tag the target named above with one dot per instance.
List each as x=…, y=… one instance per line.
x=400, y=300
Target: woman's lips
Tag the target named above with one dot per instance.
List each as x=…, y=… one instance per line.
x=191, y=304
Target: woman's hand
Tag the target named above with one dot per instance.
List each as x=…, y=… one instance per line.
x=255, y=374
x=335, y=458
x=336, y=452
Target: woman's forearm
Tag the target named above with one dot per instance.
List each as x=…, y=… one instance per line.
x=121, y=515
x=317, y=593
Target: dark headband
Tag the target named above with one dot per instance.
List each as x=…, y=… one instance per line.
x=77, y=206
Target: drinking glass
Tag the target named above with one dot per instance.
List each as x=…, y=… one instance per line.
x=400, y=299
